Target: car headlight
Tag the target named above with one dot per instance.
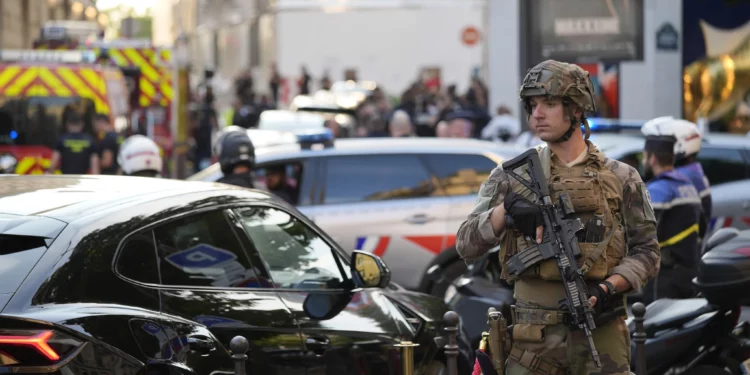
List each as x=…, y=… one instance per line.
x=8, y=164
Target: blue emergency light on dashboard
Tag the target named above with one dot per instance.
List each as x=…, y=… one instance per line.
x=308, y=138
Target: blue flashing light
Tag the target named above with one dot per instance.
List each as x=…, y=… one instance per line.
x=307, y=138
x=604, y=125
x=13, y=134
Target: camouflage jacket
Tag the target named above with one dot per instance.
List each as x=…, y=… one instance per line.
x=476, y=236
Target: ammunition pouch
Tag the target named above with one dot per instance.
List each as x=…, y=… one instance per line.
x=528, y=332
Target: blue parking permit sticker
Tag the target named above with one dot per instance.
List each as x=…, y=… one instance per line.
x=151, y=328
x=200, y=256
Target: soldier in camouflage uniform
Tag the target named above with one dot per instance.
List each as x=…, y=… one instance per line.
x=608, y=196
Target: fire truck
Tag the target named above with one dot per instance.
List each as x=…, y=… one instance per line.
x=148, y=73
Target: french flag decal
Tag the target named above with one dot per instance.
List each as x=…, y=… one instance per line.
x=373, y=244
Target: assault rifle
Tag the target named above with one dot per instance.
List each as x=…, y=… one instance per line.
x=559, y=242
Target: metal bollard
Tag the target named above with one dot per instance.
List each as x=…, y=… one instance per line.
x=239, y=346
x=639, y=336
x=407, y=357
x=450, y=319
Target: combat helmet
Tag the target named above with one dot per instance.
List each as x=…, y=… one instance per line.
x=562, y=80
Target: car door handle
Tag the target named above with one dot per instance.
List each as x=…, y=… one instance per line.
x=201, y=344
x=318, y=345
x=419, y=219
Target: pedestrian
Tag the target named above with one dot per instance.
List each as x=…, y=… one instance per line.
x=75, y=151
x=620, y=251
x=109, y=144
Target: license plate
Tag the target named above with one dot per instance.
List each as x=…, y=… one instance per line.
x=745, y=367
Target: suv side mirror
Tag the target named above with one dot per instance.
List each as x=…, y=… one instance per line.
x=369, y=271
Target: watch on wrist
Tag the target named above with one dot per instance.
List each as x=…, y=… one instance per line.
x=611, y=291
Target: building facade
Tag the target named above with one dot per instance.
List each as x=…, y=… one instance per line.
x=21, y=20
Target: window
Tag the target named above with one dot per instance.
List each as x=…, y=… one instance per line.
x=460, y=174
x=137, y=259
x=284, y=181
x=203, y=250
x=722, y=164
x=294, y=254
x=375, y=178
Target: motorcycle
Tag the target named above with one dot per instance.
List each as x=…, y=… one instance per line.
x=703, y=336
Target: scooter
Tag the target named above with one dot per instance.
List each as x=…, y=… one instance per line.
x=703, y=336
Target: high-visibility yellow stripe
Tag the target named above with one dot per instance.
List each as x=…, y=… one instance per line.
x=37, y=90
x=83, y=89
x=21, y=83
x=51, y=80
x=7, y=74
x=166, y=90
x=94, y=80
x=144, y=65
x=147, y=88
x=119, y=59
x=679, y=236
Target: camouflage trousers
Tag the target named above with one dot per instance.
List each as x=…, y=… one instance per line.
x=558, y=350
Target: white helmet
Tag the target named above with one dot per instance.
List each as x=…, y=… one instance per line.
x=139, y=153
x=687, y=134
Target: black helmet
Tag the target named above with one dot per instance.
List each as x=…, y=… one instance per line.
x=235, y=148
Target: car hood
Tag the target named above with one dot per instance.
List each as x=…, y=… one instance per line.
x=429, y=308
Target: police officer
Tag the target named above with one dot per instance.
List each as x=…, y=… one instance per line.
x=687, y=145
x=109, y=144
x=677, y=209
x=140, y=156
x=236, y=156
x=75, y=150
x=619, y=246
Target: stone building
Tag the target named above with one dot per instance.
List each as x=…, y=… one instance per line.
x=22, y=20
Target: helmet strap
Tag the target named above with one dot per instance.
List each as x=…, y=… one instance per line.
x=573, y=124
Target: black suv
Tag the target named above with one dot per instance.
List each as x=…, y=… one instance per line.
x=157, y=276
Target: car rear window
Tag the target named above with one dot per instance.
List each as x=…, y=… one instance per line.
x=18, y=255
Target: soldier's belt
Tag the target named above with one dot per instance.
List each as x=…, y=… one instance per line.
x=534, y=362
x=538, y=316
x=553, y=317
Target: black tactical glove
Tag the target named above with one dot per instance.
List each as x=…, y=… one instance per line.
x=602, y=297
x=525, y=215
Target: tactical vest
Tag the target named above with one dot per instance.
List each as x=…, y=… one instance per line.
x=595, y=193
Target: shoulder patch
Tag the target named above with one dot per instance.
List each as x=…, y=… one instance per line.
x=624, y=172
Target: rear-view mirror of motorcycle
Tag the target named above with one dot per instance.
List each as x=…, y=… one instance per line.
x=369, y=271
x=719, y=237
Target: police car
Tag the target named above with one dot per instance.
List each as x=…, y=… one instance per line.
x=400, y=198
x=147, y=276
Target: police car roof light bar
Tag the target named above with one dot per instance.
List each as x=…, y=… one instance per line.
x=308, y=138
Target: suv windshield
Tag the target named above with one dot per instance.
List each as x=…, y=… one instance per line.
x=37, y=120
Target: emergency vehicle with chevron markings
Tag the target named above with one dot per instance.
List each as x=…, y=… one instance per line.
x=37, y=88
x=148, y=74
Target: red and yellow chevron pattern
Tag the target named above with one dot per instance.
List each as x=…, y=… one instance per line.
x=18, y=80
x=156, y=77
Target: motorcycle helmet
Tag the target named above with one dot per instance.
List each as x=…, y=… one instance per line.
x=139, y=155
